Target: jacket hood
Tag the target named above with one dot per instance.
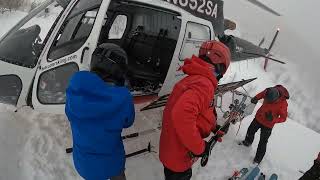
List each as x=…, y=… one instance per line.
x=283, y=92
x=88, y=96
x=196, y=66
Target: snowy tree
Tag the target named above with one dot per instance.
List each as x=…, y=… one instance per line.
x=11, y=4
x=33, y=5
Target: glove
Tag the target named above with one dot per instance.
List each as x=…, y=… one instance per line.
x=220, y=130
x=219, y=135
x=269, y=116
x=216, y=129
x=254, y=100
x=206, y=150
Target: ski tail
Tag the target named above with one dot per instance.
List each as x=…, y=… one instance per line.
x=262, y=177
x=273, y=177
x=253, y=173
x=239, y=174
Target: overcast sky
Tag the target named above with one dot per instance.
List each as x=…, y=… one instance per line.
x=299, y=38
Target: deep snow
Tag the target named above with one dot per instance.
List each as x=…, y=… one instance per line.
x=33, y=147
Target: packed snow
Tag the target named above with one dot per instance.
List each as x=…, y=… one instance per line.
x=33, y=144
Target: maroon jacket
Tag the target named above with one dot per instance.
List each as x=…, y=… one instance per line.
x=278, y=109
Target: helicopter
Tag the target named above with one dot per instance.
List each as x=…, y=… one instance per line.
x=39, y=54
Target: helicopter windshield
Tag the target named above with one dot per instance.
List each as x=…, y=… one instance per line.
x=24, y=43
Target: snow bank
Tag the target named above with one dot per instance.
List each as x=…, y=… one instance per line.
x=33, y=145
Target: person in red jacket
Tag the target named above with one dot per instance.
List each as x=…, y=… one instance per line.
x=273, y=110
x=314, y=172
x=189, y=115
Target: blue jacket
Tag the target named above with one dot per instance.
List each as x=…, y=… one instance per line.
x=97, y=113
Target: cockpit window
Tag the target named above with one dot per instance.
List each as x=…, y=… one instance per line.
x=75, y=30
x=23, y=45
x=73, y=34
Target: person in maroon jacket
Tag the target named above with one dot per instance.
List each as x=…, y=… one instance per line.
x=189, y=115
x=314, y=172
x=273, y=110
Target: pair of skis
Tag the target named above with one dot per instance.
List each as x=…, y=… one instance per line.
x=245, y=174
x=236, y=111
x=222, y=89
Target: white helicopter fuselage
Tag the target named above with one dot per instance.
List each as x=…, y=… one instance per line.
x=39, y=54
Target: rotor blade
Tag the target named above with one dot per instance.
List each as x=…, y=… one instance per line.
x=263, y=6
x=261, y=42
x=229, y=24
x=260, y=55
x=274, y=39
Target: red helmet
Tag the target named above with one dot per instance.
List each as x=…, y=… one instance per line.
x=217, y=52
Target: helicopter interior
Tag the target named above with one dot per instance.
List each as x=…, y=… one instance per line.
x=149, y=37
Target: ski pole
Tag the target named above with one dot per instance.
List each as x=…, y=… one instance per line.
x=133, y=135
x=129, y=136
x=148, y=149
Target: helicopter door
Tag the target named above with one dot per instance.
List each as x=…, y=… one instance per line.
x=69, y=51
x=193, y=36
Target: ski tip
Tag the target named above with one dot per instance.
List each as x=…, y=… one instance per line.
x=273, y=177
x=69, y=150
x=302, y=172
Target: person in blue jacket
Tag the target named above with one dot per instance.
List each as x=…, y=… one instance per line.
x=98, y=107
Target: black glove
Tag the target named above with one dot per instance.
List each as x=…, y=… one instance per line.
x=216, y=129
x=225, y=129
x=254, y=100
x=269, y=116
x=206, y=150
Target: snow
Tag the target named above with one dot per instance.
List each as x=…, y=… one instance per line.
x=301, y=108
x=33, y=144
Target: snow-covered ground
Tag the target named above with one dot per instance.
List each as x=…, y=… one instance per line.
x=33, y=144
x=33, y=147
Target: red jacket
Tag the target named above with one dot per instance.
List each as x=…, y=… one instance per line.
x=278, y=109
x=318, y=159
x=188, y=116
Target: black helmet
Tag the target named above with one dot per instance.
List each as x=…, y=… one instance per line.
x=110, y=62
x=272, y=94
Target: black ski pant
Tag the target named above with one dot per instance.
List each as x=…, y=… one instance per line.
x=171, y=175
x=264, y=136
x=122, y=176
x=313, y=173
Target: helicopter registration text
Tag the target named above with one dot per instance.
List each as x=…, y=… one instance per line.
x=205, y=7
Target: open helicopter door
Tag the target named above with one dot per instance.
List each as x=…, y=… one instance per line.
x=20, y=49
x=68, y=50
x=194, y=32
